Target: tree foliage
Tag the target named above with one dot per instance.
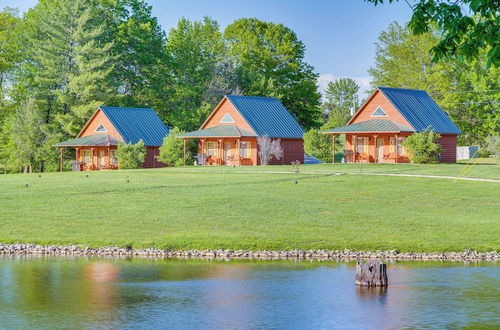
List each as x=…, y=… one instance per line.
x=468, y=27
x=172, y=149
x=423, y=147
x=270, y=62
x=130, y=155
x=340, y=98
x=318, y=144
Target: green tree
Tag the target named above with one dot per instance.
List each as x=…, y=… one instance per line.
x=172, y=149
x=423, y=147
x=26, y=135
x=467, y=27
x=131, y=155
x=69, y=64
x=194, y=50
x=140, y=54
x=9, y=21
x=269, y=60
x=318, y=144
x=340, y=98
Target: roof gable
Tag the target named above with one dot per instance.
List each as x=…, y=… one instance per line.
x=136, y=124
x=420, y=110
x=267, y=116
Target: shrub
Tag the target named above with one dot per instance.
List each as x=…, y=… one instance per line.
x=493, y=145
x=423, y=147
x=172, y=149
x=130, y=155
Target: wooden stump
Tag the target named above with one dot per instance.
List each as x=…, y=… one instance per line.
x=372, y=273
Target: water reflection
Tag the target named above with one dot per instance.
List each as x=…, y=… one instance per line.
x=116, y=293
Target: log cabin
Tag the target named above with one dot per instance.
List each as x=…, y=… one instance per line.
x=98, y=140
x=229, y=134
x=376, y=132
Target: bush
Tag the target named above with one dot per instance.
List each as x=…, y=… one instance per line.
x=423, y=147
x=130, y=155
x=493, y=145
x=172, y=149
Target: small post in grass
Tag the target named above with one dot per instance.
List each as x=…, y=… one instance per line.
x=373, y=273
x=296, y=170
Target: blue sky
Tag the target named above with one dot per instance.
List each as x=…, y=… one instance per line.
x=339, y=34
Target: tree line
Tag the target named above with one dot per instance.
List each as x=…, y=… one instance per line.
x=63, y=58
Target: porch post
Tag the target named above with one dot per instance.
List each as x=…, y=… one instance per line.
x=238, y=151
x=396, y=145
x=221, y=152
x=375, y=147
x=202, y=152
x=333, y=148
x=108, y=165
x=61, y=159
x=354, y=142
x=185, y=152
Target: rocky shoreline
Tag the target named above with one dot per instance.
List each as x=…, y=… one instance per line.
x=75, y=250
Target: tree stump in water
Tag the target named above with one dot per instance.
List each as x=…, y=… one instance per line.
x=372, y=273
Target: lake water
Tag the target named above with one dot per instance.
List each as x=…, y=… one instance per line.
x=58, y=292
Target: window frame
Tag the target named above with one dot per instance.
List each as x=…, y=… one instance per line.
x=247, y=151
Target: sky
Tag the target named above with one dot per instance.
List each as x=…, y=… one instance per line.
x=339, y=35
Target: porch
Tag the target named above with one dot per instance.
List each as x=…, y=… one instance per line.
x=373, y=141
x=93, y=152
x=221, y=145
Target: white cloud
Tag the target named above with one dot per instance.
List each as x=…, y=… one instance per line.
x=363, y=82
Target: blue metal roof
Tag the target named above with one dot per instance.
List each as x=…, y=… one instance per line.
x=420, y=110
x=266, y=115
x=135, y=124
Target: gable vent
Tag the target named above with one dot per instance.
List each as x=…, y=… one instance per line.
x=227, y=119
x=379, y=112
x=101, y=128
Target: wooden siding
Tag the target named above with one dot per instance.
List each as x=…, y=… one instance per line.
x=449, y=144
x=293, y=150
x=376, y=100
x=150, y=161
x=226, y=107
x=99, y=118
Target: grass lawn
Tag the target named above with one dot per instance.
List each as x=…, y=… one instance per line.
x=484, y=168
x=181, y=209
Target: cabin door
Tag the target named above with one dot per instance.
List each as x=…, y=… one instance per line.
x=380, y=150
x=227, y=153
x=100, y=159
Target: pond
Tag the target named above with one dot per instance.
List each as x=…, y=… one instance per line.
x=52, y=292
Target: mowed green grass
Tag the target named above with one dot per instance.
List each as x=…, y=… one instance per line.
x=178, y=209
x=486, y=168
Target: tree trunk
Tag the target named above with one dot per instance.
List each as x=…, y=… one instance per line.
x=372, y=273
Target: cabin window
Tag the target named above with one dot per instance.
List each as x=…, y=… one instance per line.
x=401, y=149
x=114, y=159
x=361, y=145
x=379, y=112
x=101, y=128
x=227, y=119
x=87, y=156
x=211, y=148
x=245, y=149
